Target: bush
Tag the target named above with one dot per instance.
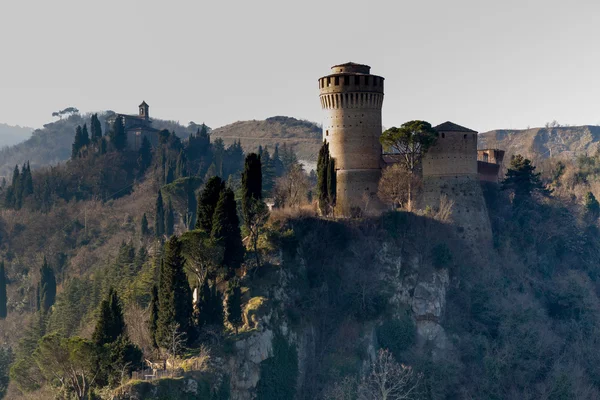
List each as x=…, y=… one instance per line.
x=441, y=256
x=278, y=374
x=397, y=335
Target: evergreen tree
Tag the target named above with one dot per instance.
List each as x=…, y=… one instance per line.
x=592, y=207
x=181, y=170
x=192, y=205
x=144, y=155
x=288, y=158
x=140, y=258
x=110, y=324
x=207, y=202
x=268, y=172
x=144, y=230
x=153, y=320
x=226, y=231
x=96, y=129
x=234, y=304
x=77, y=143
x=3, y=299
x=169, y=172
x=278, y=167
x=102, y=146
x=27, y=180
x=251, y=185
x=159, y=220
x=85, y=136
x=204, y=304
x=331, y=181
x=118, y=136
x=174, y=294
x=47, y=287
x=323, y=166
x=215, y=313
x=522, y=180
x=169, y=219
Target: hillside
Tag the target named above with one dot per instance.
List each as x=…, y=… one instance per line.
x=565, y=142
x=10, y=135
x=303, y=137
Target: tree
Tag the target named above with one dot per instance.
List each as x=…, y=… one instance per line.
x=234, y=304
x=118, y=136
x=326, y=180
x=203, y=255
x=411, y=141
x=169, y=219
x=27, y=180
x=6, y=359
x=394, y=185
x=251, y=185
x=3, y=308
x=144, y=156
x=291, y=189
x=77, y=143
x=207, y=202
x=144, y=230
x=46, y=288
x=96, y=129
x=176, y=340
x=153, y=320
x=85, y=136
x=181, y=169
x=110, y=324
x=174, y=294
x=388, y=380
x=159, y=218
x=73, y=363
x=226, y=231
x=592, y=207
x=259, y=215
x=522, y=180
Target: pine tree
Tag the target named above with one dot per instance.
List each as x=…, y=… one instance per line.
x=27, y=180
x=251, y=185
x=522, y=180
x=174, y=294
x=3, y=299
x=207, y=202
x=144, y=155
x=159, y=220
x=234, y=304
x=47, y=287
x=110, y=324
x=140, y=258
x=169, y=219
x=226, y=231
x=153, y=320
x=118, y=136
x=144, y=226
x=278, y=168
x=96, y=129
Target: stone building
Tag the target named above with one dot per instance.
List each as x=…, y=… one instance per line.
x=136, y=127
x=450, y=172
x=490, y=164
x=351, y=99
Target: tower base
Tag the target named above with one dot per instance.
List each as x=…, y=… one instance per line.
x=357, y=192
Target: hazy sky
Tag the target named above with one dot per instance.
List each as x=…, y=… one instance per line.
x=482, y=64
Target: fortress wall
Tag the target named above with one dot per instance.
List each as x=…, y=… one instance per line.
x=455, y=153
x=358, y=188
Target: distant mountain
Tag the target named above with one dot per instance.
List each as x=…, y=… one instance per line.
x=541, y=143
x=10, y=135
x=304, y=137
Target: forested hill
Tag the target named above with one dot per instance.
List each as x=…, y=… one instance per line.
x=10, y=135
x=52, y=143
x=542, y=143
x=303, y=137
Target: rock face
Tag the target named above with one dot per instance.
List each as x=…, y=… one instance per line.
x=245, y=365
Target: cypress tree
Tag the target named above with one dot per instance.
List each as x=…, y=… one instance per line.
x=110, y=323
x=192, y=205
x=174, y=294
x=118, y=137
x=251, y=185
x=216, y=306
x=153, y=321
x=204, y=304
x=207, y=202
x=159, y=221
x=27, y=180
x=169, y=173
x=96, y=129
x=226, y=231
x=278, y=168
x=144, y=226
x=331, y=181
x=322, y=177
x=47, y=287
x=3, y=299
x=144, y=155
x=169, y=219
x=77, y=143
x=181, y=171
x=234, y=304
x=85, y=136
x=102, y=146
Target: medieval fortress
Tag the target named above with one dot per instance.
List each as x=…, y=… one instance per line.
x=351, y=99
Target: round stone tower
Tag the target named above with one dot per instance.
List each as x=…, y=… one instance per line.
x=351, y=99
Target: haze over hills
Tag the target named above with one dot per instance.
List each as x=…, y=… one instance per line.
x=10, y=135
x=541, y=143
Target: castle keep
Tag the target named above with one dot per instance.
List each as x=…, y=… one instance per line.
x=351, y=99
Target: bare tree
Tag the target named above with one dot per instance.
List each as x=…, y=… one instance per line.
x=395, y=184
x=388, y=380
x=292, y=188
x=341, y=390
x=258, y=217
x=175, y=343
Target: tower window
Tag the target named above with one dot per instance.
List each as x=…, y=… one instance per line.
x=328, y=81
x=327, y=132
x=465, y=136
x=367, y=80
x=337, y=81
x=357, y=80
x=443, y=135
x=346, y=80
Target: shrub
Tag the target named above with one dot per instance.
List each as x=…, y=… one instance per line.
x=278, y=374
x=441, y=256
x=397, y=335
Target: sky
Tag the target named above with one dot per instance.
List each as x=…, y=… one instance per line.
x=479, y=63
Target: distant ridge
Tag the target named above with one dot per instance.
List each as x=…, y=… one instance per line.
x=304, y=137
x=10, y=135
x=541, y=143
